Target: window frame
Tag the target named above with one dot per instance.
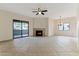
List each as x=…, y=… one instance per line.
x=62, y=24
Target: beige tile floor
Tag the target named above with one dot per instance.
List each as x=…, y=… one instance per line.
x=40, y=46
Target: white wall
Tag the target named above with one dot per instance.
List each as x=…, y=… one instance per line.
x=73, y=26
x=6, y=23
x=50, y=27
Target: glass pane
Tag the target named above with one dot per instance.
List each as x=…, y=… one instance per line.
x=66, y=26
x=60, y=26
x=17, y=25
x=24, y=26
x=17, y=33
x=17, y=29
x=24, y=29
x=24, y=32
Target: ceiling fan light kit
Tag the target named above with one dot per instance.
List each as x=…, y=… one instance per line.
x=39, y=12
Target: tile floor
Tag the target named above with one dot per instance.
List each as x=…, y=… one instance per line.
x=40, y=46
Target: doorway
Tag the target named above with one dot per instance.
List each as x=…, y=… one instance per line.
x=20, y=29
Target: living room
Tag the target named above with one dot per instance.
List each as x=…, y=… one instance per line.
x=43, y=27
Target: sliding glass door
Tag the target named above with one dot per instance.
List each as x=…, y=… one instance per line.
x=20, y=29
x=24, y=29
x=16, y=29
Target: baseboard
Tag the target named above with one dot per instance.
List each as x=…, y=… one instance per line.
x=6, y=40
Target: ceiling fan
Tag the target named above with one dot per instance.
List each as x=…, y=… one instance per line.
x=39, y=11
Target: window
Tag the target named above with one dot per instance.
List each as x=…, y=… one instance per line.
x=20, y=29
x=60, y=27
x=64, y=27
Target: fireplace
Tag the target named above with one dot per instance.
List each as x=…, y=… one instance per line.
x=39, y=33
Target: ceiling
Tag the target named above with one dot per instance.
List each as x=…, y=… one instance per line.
x=55, y=10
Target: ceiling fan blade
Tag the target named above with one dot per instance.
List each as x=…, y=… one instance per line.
x=34, y=11
x=37, y=13
x=42, y=13
x=44, y=10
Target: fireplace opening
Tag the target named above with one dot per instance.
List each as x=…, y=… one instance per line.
x=39, y=33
